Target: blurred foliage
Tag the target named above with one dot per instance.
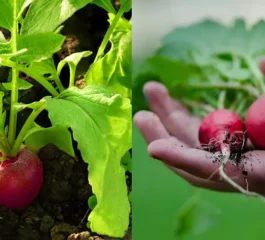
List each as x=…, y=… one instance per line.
x=197, y=63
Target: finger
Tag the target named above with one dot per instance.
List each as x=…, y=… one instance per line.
x=173, y=115
x=252, y=170
x=193, y=161
x=150, y=126
x=203, y=183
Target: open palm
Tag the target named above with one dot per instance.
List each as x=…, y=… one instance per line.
x=172, y=136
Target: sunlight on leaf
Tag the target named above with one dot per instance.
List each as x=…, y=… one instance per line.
x=39, y=137
x=113, y=71
x=37, y=19
x=101, y=124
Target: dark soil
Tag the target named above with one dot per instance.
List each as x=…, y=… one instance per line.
x=61, y=208
x=60, y=211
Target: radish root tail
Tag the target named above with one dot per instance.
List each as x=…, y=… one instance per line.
x=236, y=186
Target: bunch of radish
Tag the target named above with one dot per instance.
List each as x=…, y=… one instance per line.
x=224, y=131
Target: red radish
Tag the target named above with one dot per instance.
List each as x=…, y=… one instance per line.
x=21, y=178
x=262, y=65
x=255, y=123
x=222, y=130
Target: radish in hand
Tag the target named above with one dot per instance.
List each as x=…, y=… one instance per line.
x=224, y=131
x=255, y=123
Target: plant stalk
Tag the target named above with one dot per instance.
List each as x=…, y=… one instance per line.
x=108, y=34
x=14, y=91
x=257, y=74
x=26, y=127
x=41, y=80
x=72, y=75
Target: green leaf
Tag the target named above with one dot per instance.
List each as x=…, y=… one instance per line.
x=6, y=14
x=113, y=71
x=232, y=72
x=59, y=136
x=40, y=46
x=37, y=19
x=22, y=5
x=211, y=38
x=92, y=202
x=126, y=4
x=5, y=48
x=72, y=60
x=45, y=67
x=126, y=161
x=101, y=124
x=106, y=4
x=195, y=218
x=21, y=85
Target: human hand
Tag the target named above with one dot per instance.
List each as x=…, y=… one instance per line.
x=172, y=136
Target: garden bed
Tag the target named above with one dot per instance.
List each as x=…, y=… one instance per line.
x=61, y=209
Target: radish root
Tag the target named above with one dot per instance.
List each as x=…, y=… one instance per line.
x=223, y=175
x=236, y=186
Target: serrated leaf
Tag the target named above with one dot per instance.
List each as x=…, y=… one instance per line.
x=21, y=85
x=39, y=46
x=113, y=71
x=59, y=136
x=101, y=124
x=72, y=60
x=106, y=4
x=5, y=48
x=37, y=19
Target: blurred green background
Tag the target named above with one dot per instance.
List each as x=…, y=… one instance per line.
x=159, y=194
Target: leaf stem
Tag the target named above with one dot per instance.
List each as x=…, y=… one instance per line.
x=108, y=34
x=205, y=107
x=59, y=84
x=252, y=91
x=26, y=127
x=14, y=91
x=221, y=100
x=257, y=74
x=72, y=75
x=41, y=80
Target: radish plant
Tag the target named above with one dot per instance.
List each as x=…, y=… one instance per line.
x=98, y=113
x=214, y=69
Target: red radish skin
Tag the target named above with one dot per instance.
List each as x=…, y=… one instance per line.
x=255, y=123
x=21, y=179
x=221, y=128
x=262, y=65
